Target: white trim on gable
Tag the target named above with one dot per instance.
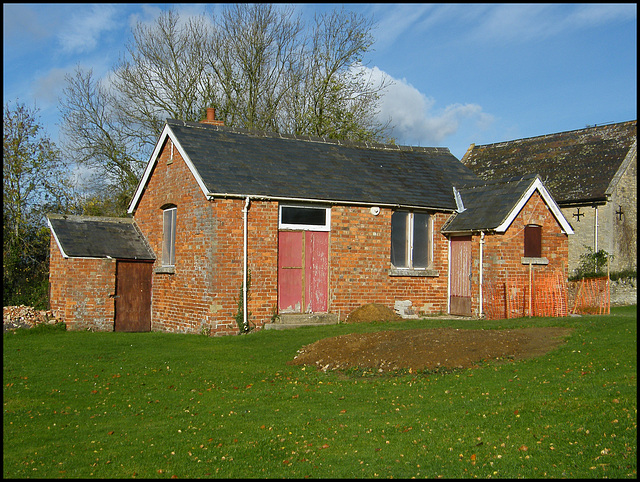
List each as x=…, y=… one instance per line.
x=549, y=201
x=166, y=132
x=55, y=236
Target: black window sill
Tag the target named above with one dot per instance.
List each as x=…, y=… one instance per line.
x=165, y=270
x=417, y=273
x=534, y=260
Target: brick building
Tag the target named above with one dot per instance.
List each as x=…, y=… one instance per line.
x=93, y=262
x=507, y=234
x=592, y=175
x=303, y=227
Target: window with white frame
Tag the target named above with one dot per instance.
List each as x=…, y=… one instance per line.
x=169, y=236
x=411, y=246
x=310, y=218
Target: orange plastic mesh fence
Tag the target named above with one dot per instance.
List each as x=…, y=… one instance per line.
x=540, y=294
x=593, y=296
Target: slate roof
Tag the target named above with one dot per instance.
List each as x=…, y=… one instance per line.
x=239, y=162
x=576, y=166
x=490, y=206
x=99, y=237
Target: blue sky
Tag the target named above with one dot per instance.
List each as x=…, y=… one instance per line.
x=461, y=73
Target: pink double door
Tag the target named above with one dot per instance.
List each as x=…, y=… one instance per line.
x=303, y=271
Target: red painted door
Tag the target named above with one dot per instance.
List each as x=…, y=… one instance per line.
x=303, y=269
x=316, y=272
x=290, y=268
x=460, y=276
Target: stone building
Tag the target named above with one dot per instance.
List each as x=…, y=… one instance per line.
x=592, y=175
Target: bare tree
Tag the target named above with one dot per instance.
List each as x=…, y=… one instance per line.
x=258, y=65
x=255, y=54
x=165, y=75
x=335, y=98
x=98, y=137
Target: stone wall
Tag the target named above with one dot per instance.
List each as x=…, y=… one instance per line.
x=624, y=292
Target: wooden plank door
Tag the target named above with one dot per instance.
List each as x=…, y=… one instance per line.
x=460, y=276
x=133, y=296
x=303, y=271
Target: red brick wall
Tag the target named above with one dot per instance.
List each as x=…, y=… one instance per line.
x=81, y=291
x=203, y=292
x=360, y=246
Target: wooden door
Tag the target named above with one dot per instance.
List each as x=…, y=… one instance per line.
x=290, y=271
x=133, y=296
x=460, y=276
x=303, y=269
x=316, y=271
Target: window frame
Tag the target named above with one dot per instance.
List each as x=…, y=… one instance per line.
x=410, y=243
x=306, y=227
x=169, y=213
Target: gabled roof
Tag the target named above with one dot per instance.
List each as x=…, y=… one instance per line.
x=98, y=237
x=492, y=206
x=239, y=163
x=576, y=166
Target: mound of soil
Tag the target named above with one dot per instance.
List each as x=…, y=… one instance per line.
x=372, y=312
x=428, y=349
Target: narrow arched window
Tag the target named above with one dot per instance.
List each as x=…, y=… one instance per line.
x=169, y=236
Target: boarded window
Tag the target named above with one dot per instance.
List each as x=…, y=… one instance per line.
x=410, y=240
x=532, y=241
x=169, y=237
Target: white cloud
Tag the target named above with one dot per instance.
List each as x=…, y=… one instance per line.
x=84, y=29
x=415, y=118
x=48, y=88
x=493, y=22
x=520, y=22
x=394, y=21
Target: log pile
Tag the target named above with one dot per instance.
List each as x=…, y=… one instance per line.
x=25, y=317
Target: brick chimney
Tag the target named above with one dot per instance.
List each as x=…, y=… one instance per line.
x=211, y=118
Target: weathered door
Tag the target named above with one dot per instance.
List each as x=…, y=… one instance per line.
x=316, y=272
x=460, y=276
x=133, y=296
x=303, y=263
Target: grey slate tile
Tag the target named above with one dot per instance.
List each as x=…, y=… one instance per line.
x=99, y=237
x=268, y=165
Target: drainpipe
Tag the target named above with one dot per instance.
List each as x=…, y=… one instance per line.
x=245, y=210
x=449, y=276
x=596, y=230
x=481, y=251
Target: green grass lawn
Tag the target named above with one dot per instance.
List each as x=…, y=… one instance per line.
x=80, y=404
